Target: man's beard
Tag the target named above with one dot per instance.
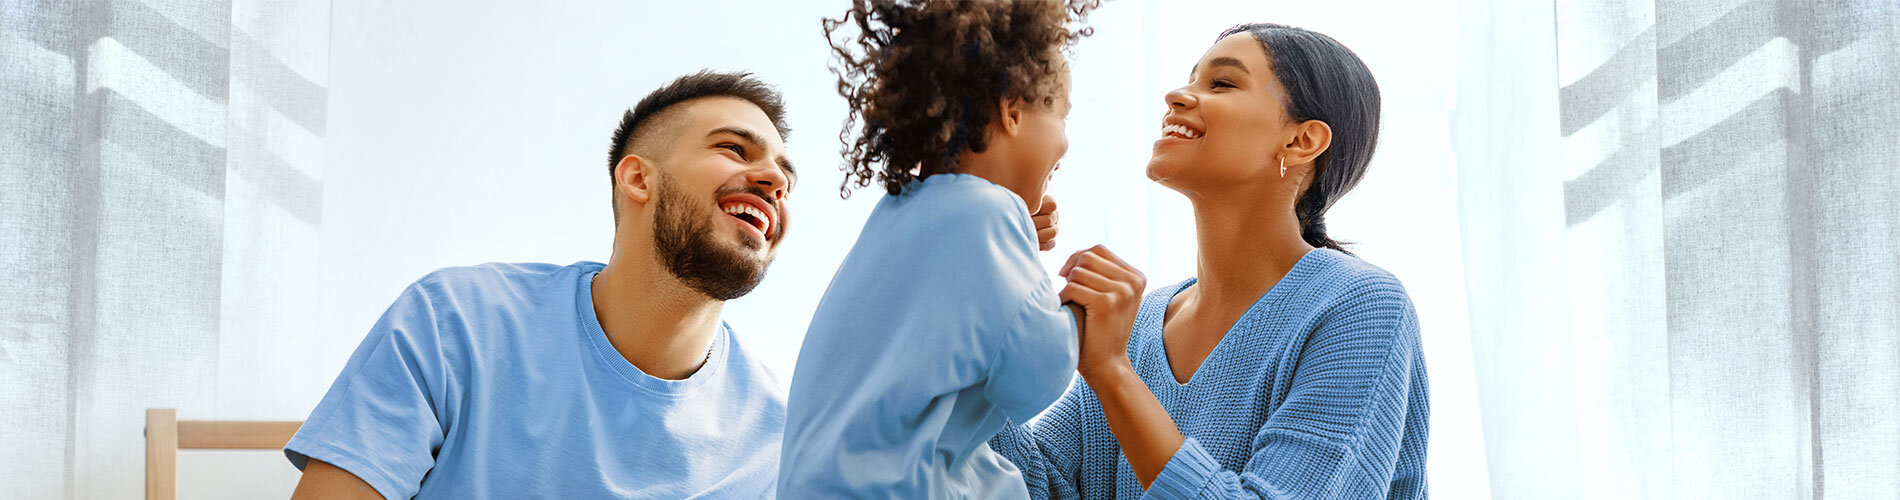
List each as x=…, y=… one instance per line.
x=689, y=249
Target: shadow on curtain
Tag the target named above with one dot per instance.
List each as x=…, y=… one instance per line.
x=161, y=199
x=1682, y=246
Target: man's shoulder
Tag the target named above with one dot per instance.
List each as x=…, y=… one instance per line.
x=751, y=370
x=496, y=281
x=493, y=273
x=467, y=304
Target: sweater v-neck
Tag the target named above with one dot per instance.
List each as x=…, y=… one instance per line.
x=1253, y=313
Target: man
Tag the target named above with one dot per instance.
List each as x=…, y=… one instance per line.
x=587, y=380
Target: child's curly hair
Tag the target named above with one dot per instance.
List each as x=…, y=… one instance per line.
x=923, y=77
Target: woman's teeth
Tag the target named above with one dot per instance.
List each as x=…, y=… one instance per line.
x=1174, y=130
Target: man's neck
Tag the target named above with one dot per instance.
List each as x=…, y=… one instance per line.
x=655, y=321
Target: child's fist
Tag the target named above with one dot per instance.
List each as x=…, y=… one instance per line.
x=1045, y=219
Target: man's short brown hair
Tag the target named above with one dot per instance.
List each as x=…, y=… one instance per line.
x=705, y=83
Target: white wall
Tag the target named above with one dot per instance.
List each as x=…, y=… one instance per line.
x=460, y=134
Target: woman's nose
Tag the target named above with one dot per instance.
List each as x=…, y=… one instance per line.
x=1179, y=98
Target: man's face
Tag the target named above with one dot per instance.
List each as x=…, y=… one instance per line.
x=719, y=197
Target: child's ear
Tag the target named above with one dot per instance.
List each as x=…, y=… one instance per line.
x=1009, y=115
x=633, y=178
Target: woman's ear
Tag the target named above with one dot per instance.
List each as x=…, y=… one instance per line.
x=1310, y=139
x=633, y=179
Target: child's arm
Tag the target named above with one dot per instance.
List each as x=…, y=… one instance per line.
x=1048, y=449
x=1034, y=358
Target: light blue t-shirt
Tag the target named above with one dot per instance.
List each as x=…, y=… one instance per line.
x=940, y=323
x=496, y=381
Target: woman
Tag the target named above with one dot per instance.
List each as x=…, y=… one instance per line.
x=1286, y=367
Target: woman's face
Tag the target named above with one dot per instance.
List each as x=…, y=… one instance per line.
x=1226, y=127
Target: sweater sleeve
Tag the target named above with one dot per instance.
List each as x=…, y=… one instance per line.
x=1048, y=449
x=1337, y=433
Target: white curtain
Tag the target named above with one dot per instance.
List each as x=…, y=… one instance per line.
x=1681, y=248
x=160, y=192
x=1654, y=243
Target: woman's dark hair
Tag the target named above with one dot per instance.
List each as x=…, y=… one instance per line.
x=1324, y=81
x=923, y=78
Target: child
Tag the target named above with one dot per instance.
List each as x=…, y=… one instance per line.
x=941, y=322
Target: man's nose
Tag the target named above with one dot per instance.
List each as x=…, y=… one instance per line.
x=770, y=178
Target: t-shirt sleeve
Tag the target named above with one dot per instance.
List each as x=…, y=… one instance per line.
x=380, y=419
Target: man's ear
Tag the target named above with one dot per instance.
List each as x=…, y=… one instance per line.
x=1009, y=116
x=1310, y=139
x=633, y=179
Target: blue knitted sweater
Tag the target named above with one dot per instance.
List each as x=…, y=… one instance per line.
x=1318, y=391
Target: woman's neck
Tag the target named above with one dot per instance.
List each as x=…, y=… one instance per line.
x=1246, y=243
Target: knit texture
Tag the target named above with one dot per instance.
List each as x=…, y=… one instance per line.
x=1318, y=391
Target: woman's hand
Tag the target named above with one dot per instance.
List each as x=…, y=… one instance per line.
x=1109, y=291
x=1045, y=219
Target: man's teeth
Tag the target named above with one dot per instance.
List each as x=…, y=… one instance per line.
x=742, y=208
x=1179, y=130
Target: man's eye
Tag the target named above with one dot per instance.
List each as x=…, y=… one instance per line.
x=735, y=148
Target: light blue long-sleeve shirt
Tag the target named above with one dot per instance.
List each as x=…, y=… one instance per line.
x=1317, y=392
x=940, y=324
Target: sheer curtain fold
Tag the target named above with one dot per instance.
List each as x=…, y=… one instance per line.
x=1679, y=221
x=1722, y=315
x=160, y=193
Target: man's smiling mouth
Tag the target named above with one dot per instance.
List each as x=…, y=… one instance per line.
x=750, y=213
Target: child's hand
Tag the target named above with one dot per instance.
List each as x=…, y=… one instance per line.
x=1109, y=292
x=1045, y=219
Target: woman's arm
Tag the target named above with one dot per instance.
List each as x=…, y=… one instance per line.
x=1336, y=435
x=1338, y=432
x=1048, y=450
x=1147, y=434
x=1109, y=291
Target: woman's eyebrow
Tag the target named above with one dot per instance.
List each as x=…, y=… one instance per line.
x=1222, y=61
